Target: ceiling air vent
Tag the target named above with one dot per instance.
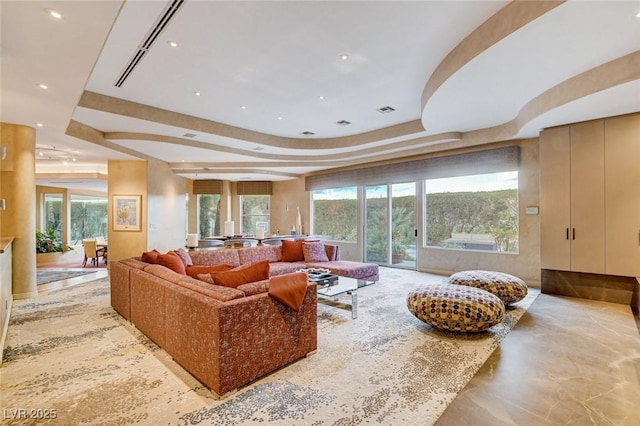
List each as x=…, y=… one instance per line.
x=343, y=123
x=385, y=109
x=161, y=23
x=307, y=133
x=189, y=135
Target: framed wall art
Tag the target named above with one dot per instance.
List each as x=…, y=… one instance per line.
x=127, y=212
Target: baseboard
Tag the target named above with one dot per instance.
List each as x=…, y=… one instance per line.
x=605, y=288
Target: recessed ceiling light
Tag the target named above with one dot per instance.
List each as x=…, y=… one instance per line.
x=243, y=107
x=344, y=57
x=638, y=15
x=197, y=93
x=321, y=98
x=258, y=148
x=189, y=135
x=172, y=43
x=307, y=133
x=43, y=86
x=280, y=118
x=39, y=124
x=53, y=13
x=343, y=123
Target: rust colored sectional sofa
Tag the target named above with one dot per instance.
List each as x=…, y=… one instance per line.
x=225, y=337
x=220, y=335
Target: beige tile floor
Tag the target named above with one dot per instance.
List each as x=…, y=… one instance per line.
x=568, y=361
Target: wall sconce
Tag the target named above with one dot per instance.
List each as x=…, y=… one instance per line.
x=4, y=152
x=2, y=205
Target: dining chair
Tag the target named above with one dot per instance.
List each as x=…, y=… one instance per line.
x=92, y=252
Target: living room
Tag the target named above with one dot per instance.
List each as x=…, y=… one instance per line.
x=137, y=145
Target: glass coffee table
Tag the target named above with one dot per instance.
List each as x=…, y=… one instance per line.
x=330, y=292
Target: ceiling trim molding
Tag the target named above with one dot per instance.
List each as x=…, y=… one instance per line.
x=510, y=18
x=89, y=134
x=367, y=152
x=99, y=102
x=237, y=172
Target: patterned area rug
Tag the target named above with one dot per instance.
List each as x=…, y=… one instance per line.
x=44, y=276
x=70, y=352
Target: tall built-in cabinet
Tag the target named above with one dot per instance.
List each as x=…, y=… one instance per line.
x=622, y=195
x=590, y=197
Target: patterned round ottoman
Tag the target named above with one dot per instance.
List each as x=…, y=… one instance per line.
x=508, y=288
x=456, y=308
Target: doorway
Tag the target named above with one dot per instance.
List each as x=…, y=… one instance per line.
x=390, y=225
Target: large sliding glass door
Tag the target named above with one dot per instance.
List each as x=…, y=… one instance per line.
x=390, y=224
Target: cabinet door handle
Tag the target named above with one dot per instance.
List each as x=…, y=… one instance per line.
x=573, y=236
x=567, y=234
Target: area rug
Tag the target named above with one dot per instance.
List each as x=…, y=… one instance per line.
x=69, y=352
x=45, y=276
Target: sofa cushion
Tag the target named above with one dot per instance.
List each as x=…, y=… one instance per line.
x=172, y=261
x=314, y=252
x=184, y=256
x=292, y=251
x=242, y=275
x=347, y=268
x=195, y=270
x=216, y=256
x=217, y=292
x=150, y=256
x=164, y=273
x=254, y=288
x=279, y=268
x=260, y=253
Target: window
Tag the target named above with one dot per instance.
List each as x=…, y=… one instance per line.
x=88, y=217
x=335, y=213
x=478, y=212
x=52, y=215
x=255, y=213
x=209, y=223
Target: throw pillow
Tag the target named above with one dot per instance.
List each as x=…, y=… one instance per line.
x=195, y=270
x=184, y=256
x=242, y=275
x=289, y=289
x=314, y=252
x=292, y=251
x=172, y=261
x=150, y=256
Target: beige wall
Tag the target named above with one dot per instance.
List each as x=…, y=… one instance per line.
x=127, y=178
x=166, y=208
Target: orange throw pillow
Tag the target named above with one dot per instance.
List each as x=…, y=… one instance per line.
x=289, y=289
x=195, y=270
x=150, y=256
x=242, y=275
x=292, y=251
x=173, y=262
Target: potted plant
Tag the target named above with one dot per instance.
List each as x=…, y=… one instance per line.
x=48, y=249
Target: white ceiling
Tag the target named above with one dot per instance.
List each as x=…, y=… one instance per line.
x=277, y=59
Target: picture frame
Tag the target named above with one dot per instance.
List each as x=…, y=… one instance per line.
x=127, y=214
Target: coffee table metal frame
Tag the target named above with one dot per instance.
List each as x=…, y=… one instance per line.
x=343, y=285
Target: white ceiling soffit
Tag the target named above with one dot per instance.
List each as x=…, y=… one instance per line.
x=570, y=39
